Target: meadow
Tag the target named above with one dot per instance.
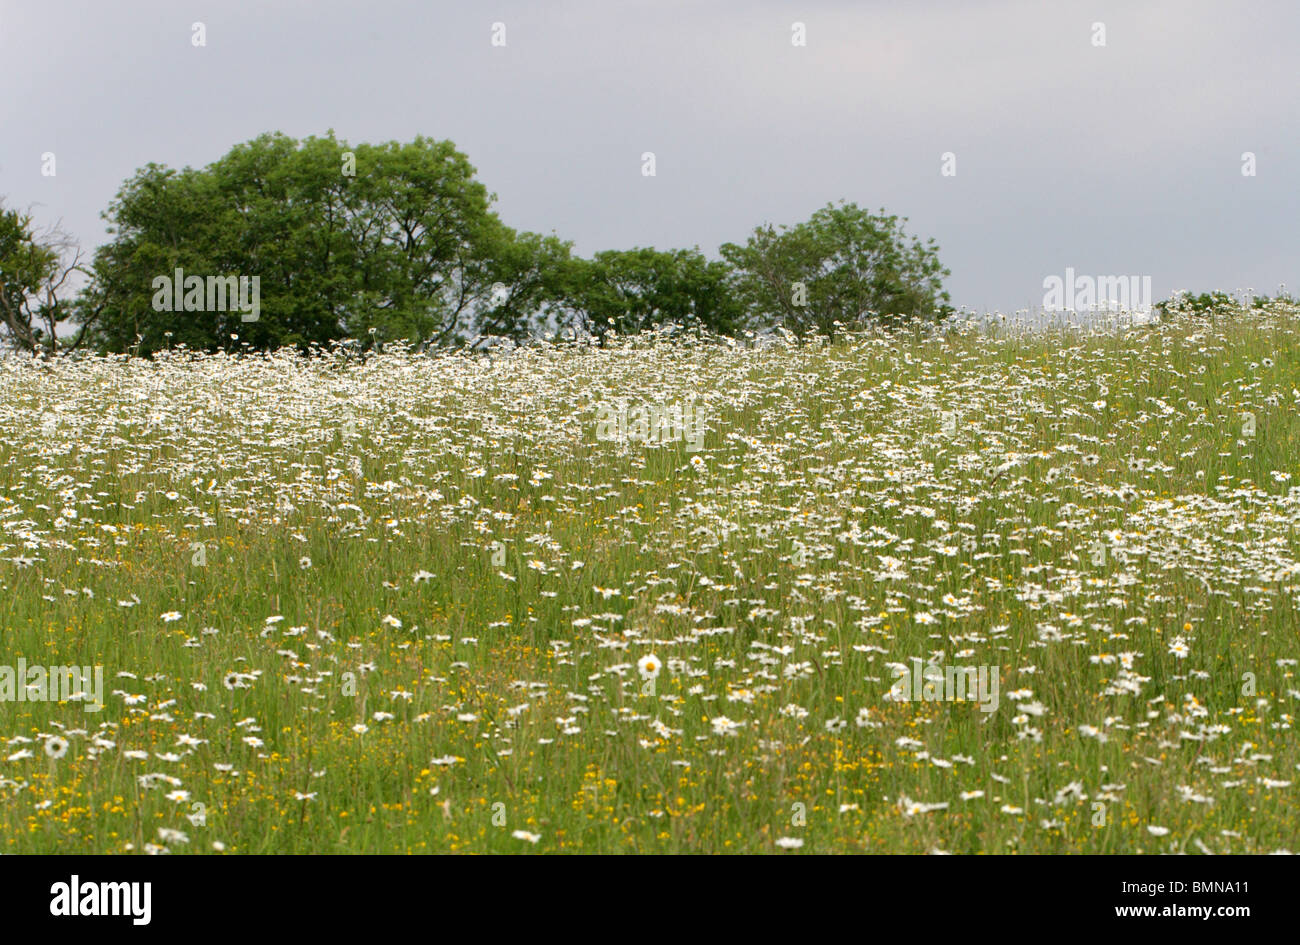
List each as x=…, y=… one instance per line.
x=424, y=603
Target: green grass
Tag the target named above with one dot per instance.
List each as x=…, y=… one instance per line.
x=1066, y=510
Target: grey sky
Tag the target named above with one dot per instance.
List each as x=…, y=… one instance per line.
x=1122, y=160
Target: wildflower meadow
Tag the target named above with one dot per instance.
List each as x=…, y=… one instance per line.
x=960, y=589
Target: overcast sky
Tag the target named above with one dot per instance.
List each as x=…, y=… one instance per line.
x=1117, y=160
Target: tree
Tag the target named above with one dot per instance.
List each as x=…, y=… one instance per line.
x=637, y=289
x=377, y=242
x=34, y=273
x=844, y=266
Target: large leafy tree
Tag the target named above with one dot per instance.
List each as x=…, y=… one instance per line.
x=845, y=266
x=377, y=242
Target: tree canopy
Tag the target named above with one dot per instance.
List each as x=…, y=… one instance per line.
x=393, y=241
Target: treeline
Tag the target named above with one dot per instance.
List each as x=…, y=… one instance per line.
x=285, y=242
